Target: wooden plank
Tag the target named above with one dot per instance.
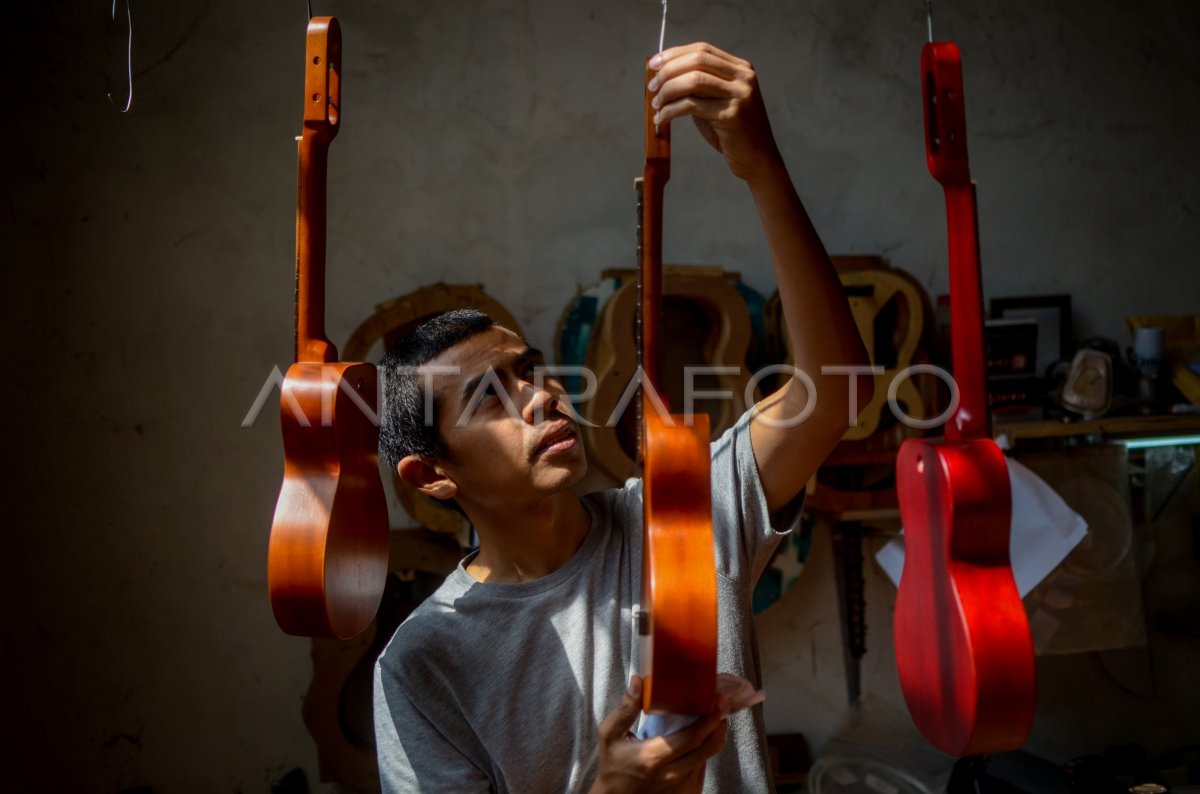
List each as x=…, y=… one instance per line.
x=1124, y=426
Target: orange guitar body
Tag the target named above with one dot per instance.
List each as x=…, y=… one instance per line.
x=679, y=579
x=328, y=554
x=679, y=588
x=963, y=648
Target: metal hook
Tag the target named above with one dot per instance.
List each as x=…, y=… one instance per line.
x=128, y=56
x=309, y=10
x=929, y=18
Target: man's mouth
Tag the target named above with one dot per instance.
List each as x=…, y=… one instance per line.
x=560, y=439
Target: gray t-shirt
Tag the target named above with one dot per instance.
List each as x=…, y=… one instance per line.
x=502, y=687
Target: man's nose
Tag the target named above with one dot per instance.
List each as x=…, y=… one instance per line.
x=540, y=400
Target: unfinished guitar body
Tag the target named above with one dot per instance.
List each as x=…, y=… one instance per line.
x=718, y=339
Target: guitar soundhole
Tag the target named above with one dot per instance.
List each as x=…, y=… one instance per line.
x=316, y=97
x=316, y=60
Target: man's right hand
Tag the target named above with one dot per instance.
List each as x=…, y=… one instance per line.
x=662, y=763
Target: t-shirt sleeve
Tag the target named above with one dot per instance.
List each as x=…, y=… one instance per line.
x=745, y=533
x=413, y=755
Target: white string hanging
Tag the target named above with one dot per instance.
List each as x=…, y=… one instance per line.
x=128, y=56
x=662, y=33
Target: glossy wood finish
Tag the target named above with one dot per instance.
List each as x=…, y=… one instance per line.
x=962, y=640
x=963, y=649
x=322, y=120
x=679, y=581
x=328, y=553
x=679, y=587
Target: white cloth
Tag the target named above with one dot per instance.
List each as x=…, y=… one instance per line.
x=1043, y=532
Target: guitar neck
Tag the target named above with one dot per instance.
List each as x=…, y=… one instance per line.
x=322, y=119
x=655, y=173
x=946, y=156
x=311, y=342
x=972, y=418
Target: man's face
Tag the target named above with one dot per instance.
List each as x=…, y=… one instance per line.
x=507, y=431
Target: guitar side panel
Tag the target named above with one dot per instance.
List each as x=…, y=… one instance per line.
x=327, y=558
x=679, y=586
x=962, y=640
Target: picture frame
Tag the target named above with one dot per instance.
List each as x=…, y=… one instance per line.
x=1053, y=316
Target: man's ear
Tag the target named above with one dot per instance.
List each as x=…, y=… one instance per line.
x=426, y=477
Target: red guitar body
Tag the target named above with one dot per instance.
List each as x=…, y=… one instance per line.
x=679, y=574
x=327, y=560
x=962, y=640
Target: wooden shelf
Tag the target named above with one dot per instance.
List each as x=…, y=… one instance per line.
x=1112, y=427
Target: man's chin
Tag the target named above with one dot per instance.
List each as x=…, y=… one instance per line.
x=567, y=475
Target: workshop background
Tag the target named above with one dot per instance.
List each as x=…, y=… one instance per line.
x=149, y=269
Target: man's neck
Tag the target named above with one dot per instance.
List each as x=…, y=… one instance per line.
x=526, y=543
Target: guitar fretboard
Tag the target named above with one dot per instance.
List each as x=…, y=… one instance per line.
x=638, y=185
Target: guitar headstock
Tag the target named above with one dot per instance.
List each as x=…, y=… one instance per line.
x=945, y=113
x=322, y=77
x=658, y=136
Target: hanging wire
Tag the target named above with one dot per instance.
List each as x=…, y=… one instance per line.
x=128, y=56
x=309, y=10
x=929, y=18
x=662, y=33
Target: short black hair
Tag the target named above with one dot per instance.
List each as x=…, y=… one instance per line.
x=403, y=430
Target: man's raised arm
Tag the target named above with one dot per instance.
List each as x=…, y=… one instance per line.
x=721, y=93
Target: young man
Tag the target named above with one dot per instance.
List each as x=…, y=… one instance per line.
x=517, y=675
